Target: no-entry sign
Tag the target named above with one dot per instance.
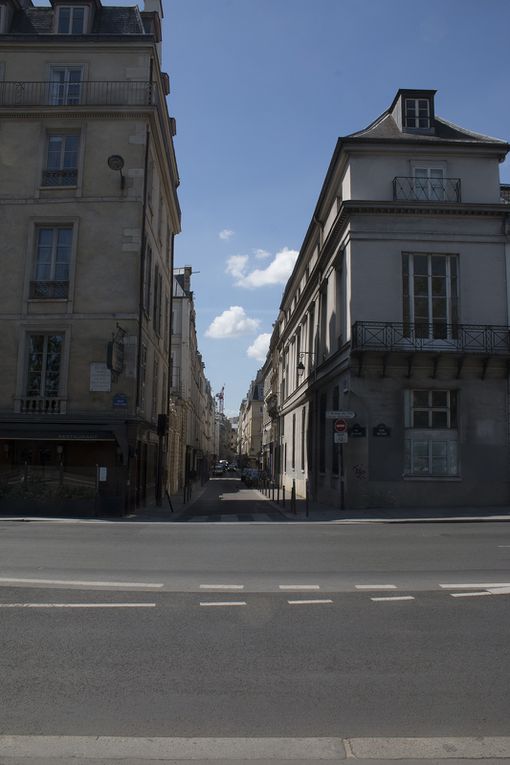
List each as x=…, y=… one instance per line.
x=340, y=426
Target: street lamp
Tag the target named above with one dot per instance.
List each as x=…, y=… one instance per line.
x=300, y=365
x=116, y=162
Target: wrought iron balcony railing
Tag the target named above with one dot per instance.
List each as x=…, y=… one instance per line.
x=82, y=93
x=60, y=177
x=49, y=290
x=40, y=405
x=457, y=338
x=426, y=189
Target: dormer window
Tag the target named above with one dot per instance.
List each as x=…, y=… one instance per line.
x=417, y=113
x=71, y=19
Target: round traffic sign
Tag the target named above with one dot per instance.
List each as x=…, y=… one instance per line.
x=340, y=426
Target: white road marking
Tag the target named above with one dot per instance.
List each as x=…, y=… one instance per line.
x=469, y=594
x=499, y=590
x=5, y=580
x=306, y=602
x=376, y=586
x=396, y=597
x=222, y=586
x=227, y=603
x=503, y=545
x=299, y=586
x=471, y=586
x=77, y=605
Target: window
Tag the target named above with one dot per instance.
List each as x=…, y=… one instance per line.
x=65, y=85
x=52, y=261
x=417, y=113
x=155, y=385
x=147, y=281
x=150, y=181
x=429, y=183
x=61, y=160
x=143, y=375
x=303, y=431
x=293, y=461
x=430, y=290
x=71, y=19
x=158, y=289
x=44, y=362
x=431, y=433
x=335, y=448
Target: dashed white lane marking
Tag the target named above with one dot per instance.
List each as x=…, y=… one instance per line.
x=231, y=603
x=396, y=597
x=469, y=594
x=4, y=580
x=503, y=545
x=307, y=602
x=222, y=586
x=471, y=586
x=499, y=590
x=299, y=586
x=77, y=605
x=376, y=586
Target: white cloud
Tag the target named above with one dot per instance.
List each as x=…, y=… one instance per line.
x=226, y=234
x=259, y=348
x=277, y=272
x=236, y=266
x=262, y=254
x=232, y=323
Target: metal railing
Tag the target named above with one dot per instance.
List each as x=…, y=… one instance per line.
x=40, y=405
x=49, y=290
x=60, y=177
x=426, y=189
x=438, y=336
x=83, y=93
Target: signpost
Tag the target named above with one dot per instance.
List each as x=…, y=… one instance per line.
x=340, y=438
x=340, y=426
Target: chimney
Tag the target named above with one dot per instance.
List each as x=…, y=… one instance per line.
x=187, y=277
x=154, y=6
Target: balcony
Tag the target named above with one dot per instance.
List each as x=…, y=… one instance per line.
x=426, y=189
x=505, y=193
x=40, y=406
x=49, y=290
x=481, y=339
x=84, y=93
x=60, y=177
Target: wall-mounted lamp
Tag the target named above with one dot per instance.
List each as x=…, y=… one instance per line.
x=116, y=162
x=300, y=365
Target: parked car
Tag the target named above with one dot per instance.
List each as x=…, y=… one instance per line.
x=251, y=476
x=218, y=470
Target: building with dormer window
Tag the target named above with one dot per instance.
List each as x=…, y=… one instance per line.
x=395, y=322
x=88, y=214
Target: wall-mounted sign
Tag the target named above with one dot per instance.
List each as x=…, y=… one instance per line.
x=335, y=414
x=102, y=474
x=115, y=356
x=120, y=401
x=381, y=431
x=340, y=438
x=100, y=377
x=357, y=431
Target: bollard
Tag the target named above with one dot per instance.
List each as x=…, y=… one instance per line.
x=307, y=500
x=278, y=495
x=293, y=498
x=272, y=491
x=283, y=492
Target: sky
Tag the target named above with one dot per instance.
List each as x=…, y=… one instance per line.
x=261, y=90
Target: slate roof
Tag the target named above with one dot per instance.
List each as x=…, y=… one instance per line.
x=385, y=128
x=108, y=20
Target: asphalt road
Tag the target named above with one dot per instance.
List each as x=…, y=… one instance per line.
x=333, y=642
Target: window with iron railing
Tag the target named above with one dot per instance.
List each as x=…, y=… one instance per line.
x=52, y=262
x=61, y=160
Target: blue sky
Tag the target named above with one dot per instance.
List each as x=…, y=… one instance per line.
x=261, y=89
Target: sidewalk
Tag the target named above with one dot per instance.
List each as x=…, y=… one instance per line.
x=326, y=513
x=152, y=512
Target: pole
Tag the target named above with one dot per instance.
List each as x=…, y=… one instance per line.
x=342, y=478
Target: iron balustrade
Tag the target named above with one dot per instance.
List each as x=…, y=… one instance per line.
x=82, y=93
x=434, y=337
x=426, y=189
x=41, y=290
x=67, y=177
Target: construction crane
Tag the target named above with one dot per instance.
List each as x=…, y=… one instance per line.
x=220, y=396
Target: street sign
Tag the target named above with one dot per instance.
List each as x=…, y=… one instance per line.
x=343, y=413
x=340, y=426
x=340, y=438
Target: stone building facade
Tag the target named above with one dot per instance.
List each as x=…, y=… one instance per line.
x=88, y=214
x=395, y=321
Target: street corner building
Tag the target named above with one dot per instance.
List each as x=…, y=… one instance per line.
x=387, y=379
x=88, y=215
